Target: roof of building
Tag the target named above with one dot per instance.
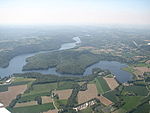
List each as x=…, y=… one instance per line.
x=4, y=110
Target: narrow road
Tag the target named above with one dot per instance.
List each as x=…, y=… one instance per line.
x=54, y=105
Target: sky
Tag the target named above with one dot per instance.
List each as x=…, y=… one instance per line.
x=70, y=12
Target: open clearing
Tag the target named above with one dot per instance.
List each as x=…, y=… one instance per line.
x=31, y=103
x=90, y=93
x=7, y=96
x=63, y=94
x=46, y=99
x=112, y=83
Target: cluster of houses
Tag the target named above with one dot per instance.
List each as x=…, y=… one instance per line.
x=85, y=105
x=9, y=81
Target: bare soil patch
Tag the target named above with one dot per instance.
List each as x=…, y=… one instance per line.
x=104, y=100
x=90, y=93
x=26, y=104
x=46, y=99
x=99, y=51
x=86, y=48
x=51, y=111
x=141, y=70
x=112, y=83
x=7, y=96
x=63, y=94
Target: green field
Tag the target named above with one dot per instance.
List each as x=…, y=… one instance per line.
x=139, y=90
x=33, y=109
x=142, y=65
x=131, y=102
x=145, y=108
x=32, y=97
x=38, y=90
x=45, y=89
x=66, y=85
x=111, y=95
x=101, y=85
x=60, y=103
x=42, y=88
x=129, y=69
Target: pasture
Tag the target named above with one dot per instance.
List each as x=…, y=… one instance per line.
x=101, y=85
x=33, y=109
x=138, y=90
x=131, y=102
x=111, y=95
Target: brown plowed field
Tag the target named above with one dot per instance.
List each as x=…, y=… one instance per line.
x=46, y=99
x=63, y=94
x=51, y=111
x=141, y=70
x=112, y=83
x=7, y=96
x=26, y=104
x=90, y=93
x=104, y=100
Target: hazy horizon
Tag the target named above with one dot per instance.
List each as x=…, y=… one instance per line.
x=74, y=12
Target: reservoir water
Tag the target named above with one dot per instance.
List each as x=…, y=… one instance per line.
x=16, y=64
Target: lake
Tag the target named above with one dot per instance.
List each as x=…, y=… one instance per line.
x=16, y=64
